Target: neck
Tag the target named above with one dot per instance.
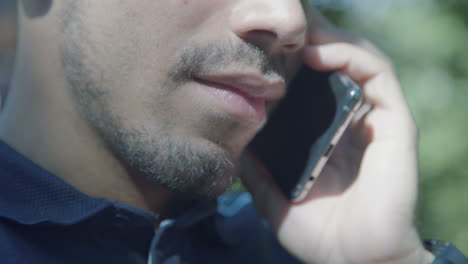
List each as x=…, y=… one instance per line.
x=39, y=121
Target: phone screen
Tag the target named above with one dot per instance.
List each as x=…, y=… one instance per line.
x=283, y=145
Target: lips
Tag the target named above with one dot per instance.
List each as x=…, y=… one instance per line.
x=243, y=96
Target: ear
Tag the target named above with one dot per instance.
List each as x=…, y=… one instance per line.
x=36, y=8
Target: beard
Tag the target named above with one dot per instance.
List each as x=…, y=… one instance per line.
x=191, y=168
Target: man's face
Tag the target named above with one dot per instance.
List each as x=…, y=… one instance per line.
x=177, y=88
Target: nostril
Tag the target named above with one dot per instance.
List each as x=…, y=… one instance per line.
x=291, y=47
x=261, y=38
x=268, y=24
x=259, y=34
x=270, y=40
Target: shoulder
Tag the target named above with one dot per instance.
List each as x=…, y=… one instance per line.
x=240, y=226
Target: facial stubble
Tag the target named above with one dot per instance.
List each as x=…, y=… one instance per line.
x=188, y=167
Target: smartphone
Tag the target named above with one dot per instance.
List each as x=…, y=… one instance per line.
x=301, y=133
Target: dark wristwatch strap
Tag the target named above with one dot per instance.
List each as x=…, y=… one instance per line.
x=445, y=252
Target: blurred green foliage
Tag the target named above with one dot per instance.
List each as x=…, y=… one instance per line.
x=427, y=41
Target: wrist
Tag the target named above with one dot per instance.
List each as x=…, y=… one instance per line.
x=420, y=256
x=445, y=252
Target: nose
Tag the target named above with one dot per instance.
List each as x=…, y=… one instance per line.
x=274, y=25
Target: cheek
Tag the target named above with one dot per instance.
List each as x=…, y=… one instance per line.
x=147, y=33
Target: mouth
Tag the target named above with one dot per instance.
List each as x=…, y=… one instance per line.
x=243, y=96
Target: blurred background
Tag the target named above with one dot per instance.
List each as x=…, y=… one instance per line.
x=7, y=41
x=428, y=43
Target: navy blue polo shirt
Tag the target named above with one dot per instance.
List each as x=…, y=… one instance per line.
x=45, y=220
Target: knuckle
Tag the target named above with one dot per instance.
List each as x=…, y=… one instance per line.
x=345, y=45
x=389, y=66
x=386, y=68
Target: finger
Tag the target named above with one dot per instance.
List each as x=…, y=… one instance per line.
x=363, y=110
x=372, y=73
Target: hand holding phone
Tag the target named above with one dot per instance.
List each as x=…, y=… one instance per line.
x=366, y=200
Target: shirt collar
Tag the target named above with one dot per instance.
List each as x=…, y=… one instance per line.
x=31, y=195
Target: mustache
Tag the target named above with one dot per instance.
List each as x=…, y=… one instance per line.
x=194, y=60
